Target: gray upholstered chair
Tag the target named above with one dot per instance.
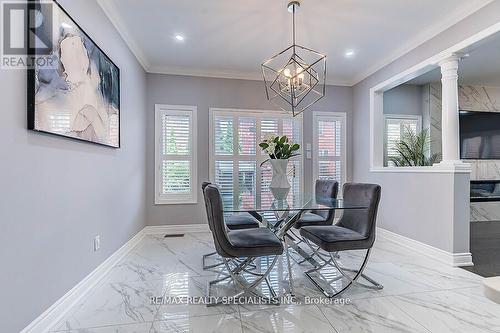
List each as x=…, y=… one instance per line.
x=233, y=222
x=239, y=248
x=354, y=231
x=324, y=188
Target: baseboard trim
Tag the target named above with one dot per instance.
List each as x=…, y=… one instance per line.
x=175, y=229
x=452, y=259
x=56, y=311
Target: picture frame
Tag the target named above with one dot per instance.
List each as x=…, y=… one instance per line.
x=78, y=97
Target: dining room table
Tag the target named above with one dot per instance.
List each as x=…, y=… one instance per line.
x=280, y=215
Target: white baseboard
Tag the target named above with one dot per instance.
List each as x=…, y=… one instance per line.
x=175, y=229
x=56, y=311
x=452, y=259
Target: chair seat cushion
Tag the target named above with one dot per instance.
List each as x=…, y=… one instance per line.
x=333, y=238
x=310, y=219
x=254, y=242
x=241, y=221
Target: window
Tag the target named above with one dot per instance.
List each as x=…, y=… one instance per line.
x=235, y=156
x=395, y=126
x=329, y=146
x=175, y=154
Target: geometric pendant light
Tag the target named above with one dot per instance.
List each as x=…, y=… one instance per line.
x=295, y=77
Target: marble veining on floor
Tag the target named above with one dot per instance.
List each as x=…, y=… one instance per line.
x=419, y=295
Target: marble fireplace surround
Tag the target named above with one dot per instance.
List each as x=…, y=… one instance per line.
x=470, y=98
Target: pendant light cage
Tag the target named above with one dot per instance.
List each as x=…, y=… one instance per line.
x=295, y=78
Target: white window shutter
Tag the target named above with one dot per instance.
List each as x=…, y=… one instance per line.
x=223, y=130
x=176, y=176
x=247, y=183
x=247, y=136
x=224, y=179
x=329, y=146
x=395, y=126
x=235, y=160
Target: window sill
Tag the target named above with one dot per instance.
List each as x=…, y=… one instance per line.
x=437, y=168
x=160, y=202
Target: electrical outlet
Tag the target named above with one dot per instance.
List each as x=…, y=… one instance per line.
x=97, y=242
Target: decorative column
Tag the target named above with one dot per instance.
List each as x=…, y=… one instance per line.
x=450, y=121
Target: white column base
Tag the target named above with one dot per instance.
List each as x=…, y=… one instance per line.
x=454, y=166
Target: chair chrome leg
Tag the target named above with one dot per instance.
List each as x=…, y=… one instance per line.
x=251, y=286
x=375, y=285
x=289, y=264
x=241, y=266
x=234, y=274
x=315, y=251
x=351, y=280
x=271, y=289
x=220, y=263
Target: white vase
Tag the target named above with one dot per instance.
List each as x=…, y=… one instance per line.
x=279, y=184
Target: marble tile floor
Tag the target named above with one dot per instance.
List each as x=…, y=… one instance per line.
x=419, y=295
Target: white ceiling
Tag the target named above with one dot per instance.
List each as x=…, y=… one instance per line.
x=481, y=66
x=230, y=38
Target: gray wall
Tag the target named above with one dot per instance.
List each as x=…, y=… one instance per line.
x=404, y=99
x=57, y=194
x=404, y=193
x=225, y=93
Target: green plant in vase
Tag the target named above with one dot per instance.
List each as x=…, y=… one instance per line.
x=280, y=150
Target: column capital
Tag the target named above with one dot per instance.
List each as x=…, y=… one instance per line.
x=451, y=60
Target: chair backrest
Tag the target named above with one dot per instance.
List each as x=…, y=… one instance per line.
x=215, y=214
x=326, y=188
x=362, y=221
x=203, y=185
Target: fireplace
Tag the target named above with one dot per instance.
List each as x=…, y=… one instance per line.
x=484, y=190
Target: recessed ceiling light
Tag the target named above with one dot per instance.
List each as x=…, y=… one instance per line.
x=180, y=38
x=349, y=53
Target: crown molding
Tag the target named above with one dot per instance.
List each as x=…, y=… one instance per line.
x=110, y=10
x=423, y=37
x=204, y=73
x=224, y=74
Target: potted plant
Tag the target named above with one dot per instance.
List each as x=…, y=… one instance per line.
x=280, y=150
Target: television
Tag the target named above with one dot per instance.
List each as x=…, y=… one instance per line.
x=479, y=135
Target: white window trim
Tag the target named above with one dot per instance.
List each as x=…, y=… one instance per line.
x=418, y=118
x=343, y=155
x=192, y=198
x=212, y=156
x=405, y=116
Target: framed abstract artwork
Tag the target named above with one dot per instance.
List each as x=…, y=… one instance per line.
x=78, y=95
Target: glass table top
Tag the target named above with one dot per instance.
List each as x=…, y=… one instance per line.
x=294, y=202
